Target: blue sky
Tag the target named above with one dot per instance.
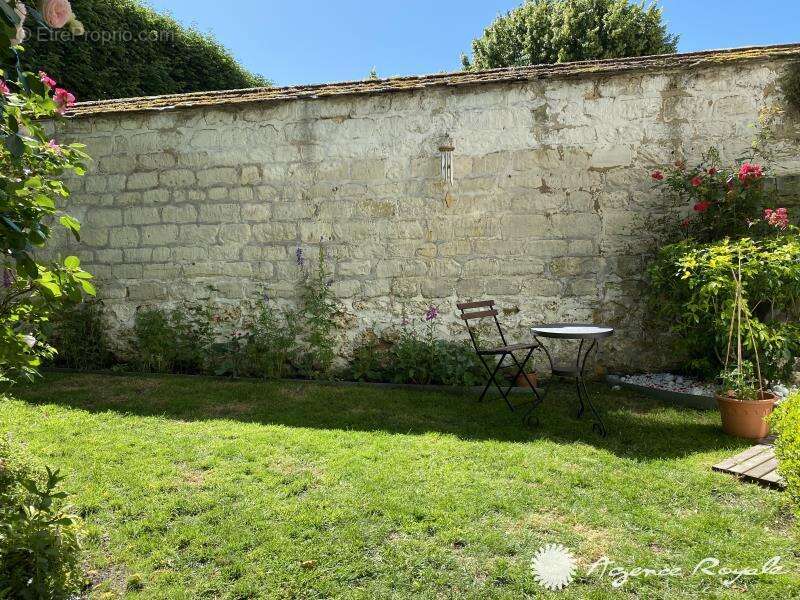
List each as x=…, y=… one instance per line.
x=315, y=41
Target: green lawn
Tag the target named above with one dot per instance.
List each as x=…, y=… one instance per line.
x=205, y=488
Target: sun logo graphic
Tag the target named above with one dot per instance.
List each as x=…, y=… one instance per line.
x=553, y=567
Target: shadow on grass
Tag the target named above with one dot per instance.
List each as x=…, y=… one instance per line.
x=639, y=427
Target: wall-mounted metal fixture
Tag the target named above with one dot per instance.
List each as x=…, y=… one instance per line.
x=446, y=148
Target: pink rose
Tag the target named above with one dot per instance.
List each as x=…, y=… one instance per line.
x=750, y=171
x=47, y=80
x=63, y=99
x=4, y=88
x=57, y=13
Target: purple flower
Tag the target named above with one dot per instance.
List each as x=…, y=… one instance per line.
x=301, y=261
x=431, y=313
x=266, y=296
x=8, y=280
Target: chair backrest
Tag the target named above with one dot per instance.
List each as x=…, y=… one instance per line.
x=474, y=311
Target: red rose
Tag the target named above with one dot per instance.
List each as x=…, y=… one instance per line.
x=702, y=207
x=696, y=180
x=657, y=175
x=712, y=171
x=685, y=222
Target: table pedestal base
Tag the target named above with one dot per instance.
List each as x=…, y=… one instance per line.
x=577, y=373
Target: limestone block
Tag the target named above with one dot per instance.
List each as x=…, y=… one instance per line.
x=177, y=178
x=256, y=212
x=159, y=235
x=217, y=176
x=127, y=271
x=103, y=217
x=525, y=226
x=123, y=237
x=95, y=237
x=156, y=161
x=219, y=213
x=189, y=253
x=142, y=215
x=237, y=233
x=137, y=255
x=141, y=181
x=354, y=268
x=109, y=256
x=118, y=163
x=198, y=234
x=181, y=213
x=275, y=232
x=148, y=291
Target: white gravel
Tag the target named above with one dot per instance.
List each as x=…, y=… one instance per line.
x=670, y=383
x=687, y=385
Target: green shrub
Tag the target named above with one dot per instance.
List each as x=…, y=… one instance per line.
x=40, y=555
x=785, y=423
x=80, y=337
x=414, y=356
x=177, y=341
x=693, y=287
x=318, y=310
x=104, y=64
x=265, y=348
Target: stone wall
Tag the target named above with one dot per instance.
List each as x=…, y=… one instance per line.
x=544, y=214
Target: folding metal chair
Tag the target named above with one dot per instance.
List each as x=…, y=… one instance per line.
x=469, y=314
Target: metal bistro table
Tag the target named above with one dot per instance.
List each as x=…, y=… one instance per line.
x=589, y=336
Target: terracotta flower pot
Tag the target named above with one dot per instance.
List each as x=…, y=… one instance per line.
x=522, y=382
x=746, y=418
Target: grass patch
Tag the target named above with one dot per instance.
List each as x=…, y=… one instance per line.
x=196, y=487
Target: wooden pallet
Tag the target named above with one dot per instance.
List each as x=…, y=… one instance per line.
x=757, y=464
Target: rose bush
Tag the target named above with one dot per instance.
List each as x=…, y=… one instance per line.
x=726, y=220
x=31, y=188
x=716, y=201
x=39, y=541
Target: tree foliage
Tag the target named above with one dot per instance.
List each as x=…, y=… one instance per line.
x=129, y=50
x=553, y=31
x=32, y=167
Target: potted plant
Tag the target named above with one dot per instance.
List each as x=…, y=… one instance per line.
x=743, y=403
x=533, y=377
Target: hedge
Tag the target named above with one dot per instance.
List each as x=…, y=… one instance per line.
x=786, y=424
x=121, y=65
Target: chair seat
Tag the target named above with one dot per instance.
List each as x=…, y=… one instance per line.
x=509, y=348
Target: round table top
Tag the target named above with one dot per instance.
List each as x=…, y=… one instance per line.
x=572, y=331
